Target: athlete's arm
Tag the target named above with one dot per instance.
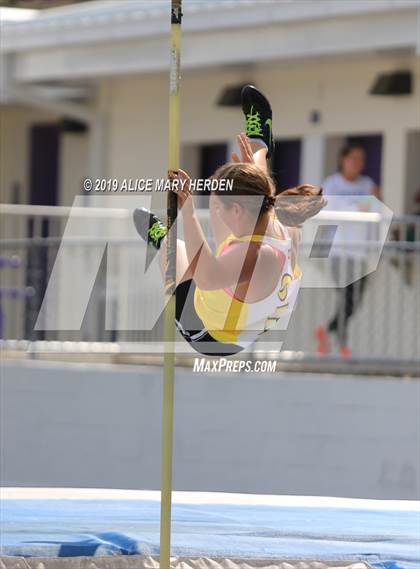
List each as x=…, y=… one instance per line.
x=214, y=273
x=252, y=152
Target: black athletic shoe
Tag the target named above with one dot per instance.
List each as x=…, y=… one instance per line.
x=149, y=227
x=258, y=116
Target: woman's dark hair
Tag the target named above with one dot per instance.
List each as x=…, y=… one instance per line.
x=348, y=149
x=292, y=207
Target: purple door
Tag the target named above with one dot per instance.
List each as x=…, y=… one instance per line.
x=43, y=189
x=211, y=157
x=286, y=163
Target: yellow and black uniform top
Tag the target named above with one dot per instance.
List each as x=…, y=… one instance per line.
x=233, y=321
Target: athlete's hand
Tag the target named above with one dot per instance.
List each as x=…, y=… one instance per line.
x=181, y=187
x=245, y=148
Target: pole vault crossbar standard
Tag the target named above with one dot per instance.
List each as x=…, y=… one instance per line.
x=170, y=279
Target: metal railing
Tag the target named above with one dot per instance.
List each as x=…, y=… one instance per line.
x=384, y=323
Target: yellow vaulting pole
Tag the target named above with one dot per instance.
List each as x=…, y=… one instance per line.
x=170, y=276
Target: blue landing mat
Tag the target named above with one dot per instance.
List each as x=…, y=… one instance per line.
x=328, y=529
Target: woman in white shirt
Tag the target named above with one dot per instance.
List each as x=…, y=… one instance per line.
x=353, y=187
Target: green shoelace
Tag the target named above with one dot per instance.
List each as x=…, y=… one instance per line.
x=156, y=232
x=253, y=124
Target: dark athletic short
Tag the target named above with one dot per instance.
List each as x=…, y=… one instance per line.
x=192, y=327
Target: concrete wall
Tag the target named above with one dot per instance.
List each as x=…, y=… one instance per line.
x=82, y=425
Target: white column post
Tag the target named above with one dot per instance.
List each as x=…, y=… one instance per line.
x=232, y=146
x=313, y=159
x=394, y=169
x=97, y=146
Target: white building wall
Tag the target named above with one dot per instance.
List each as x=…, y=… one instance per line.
x=15, y=128
x=131, y=139
x=138, y=114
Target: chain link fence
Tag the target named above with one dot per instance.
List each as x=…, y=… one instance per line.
x=384, y=306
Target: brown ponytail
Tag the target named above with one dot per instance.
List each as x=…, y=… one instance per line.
x=294, y=206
